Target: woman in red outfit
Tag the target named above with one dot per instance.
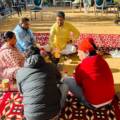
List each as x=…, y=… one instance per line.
x=93, y=81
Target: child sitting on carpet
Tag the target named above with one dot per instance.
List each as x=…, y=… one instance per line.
x=10, y=58
x=93, y=81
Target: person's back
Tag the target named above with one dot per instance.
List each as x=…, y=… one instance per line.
x=93, y=75
x=93, y=82
x=96, y=80
x=37, y=81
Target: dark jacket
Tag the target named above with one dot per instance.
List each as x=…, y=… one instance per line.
x=41, y=97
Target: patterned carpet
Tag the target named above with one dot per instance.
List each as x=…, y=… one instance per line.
x=11, y=108
x=104, y=42
x=109, y=41
x=101, y=40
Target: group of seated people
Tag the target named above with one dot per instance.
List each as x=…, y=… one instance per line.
x=43, y=85
x=40, y=82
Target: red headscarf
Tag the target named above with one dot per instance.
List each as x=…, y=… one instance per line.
x=86, y=45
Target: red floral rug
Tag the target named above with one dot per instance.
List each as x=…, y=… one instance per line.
x=101, y=40
x=109, y=41
x=11, y=108
x=104, y=42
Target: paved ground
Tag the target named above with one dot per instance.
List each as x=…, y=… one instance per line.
x=86, y=23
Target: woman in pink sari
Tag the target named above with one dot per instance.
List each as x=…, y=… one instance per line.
x=10, y=58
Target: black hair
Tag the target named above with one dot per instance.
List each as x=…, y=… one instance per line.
x=94, y=46
x=33, y=58
x=8, y=35
x=32, y=50
x=24, y=19
x=93, y=52
x=61, y=14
